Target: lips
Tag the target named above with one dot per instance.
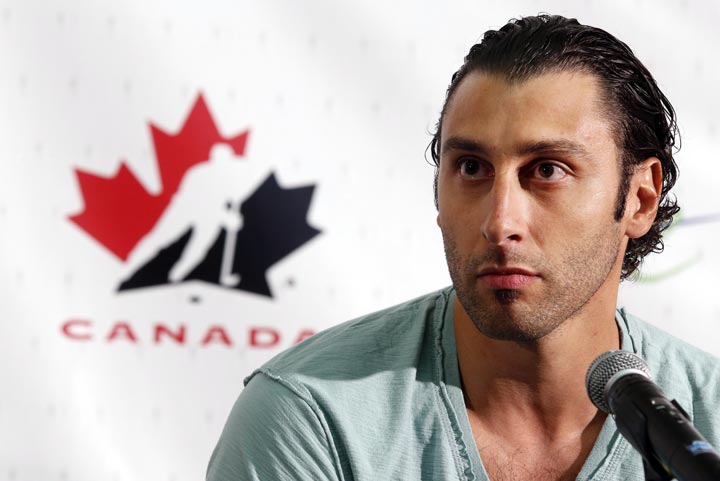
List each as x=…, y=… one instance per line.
x=507, y=278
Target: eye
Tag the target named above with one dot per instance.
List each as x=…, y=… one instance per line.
x=549, y=171
x=474, y=168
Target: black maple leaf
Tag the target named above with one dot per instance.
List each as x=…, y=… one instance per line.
x=274, y=225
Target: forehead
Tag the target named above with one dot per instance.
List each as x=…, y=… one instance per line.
x=501, y=114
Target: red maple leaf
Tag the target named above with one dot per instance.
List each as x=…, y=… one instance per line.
x=119, y=211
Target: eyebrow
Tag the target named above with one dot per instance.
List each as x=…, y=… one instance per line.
x=465, y=144
x=553, y=146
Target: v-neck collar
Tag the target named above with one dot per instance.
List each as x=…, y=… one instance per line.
x=603, y=462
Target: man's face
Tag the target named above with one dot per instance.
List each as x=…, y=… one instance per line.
x=527, y=184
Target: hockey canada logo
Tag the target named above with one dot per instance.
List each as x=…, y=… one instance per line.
x=220, y=218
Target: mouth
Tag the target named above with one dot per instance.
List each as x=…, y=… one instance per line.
x=507, y=277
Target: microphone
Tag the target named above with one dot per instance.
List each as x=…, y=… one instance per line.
x=619, y=383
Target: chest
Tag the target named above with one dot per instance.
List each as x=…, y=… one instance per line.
x=522, y=464
x=524, y=458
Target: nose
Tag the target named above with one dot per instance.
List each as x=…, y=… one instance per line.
x=504, y=211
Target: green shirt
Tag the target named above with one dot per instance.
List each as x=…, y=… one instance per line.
x=379, y=398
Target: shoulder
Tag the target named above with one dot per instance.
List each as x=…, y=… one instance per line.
x=382, y=340
x=273, y=433
x=670, y=353
x=297, y=411
x=685, y=372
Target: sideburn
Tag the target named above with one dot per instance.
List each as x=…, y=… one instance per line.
x=626, y=172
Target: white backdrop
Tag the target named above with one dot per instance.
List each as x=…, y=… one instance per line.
x=336, y=95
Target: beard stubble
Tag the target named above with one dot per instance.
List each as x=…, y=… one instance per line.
x=567, y=284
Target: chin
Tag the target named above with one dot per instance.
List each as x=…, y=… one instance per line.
x=514, y=333
x=509, y=319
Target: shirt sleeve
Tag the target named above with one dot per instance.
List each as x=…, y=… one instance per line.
x=272, y=434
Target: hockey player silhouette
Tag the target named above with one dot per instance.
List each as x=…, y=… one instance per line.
x=207, y=200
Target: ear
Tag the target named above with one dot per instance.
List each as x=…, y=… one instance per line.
x=643, y=197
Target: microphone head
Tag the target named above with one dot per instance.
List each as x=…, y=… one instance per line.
x=607, y=368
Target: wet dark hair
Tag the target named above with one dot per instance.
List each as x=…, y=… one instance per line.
x=642, y=117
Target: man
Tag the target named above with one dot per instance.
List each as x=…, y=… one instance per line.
x=554, y=154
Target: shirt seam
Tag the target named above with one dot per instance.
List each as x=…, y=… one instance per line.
x=460, y=456
x=305, y=396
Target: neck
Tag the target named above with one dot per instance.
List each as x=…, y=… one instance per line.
x=541, y=384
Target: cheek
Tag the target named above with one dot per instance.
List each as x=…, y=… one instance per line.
x=459, y=228
x=572, y=213
x=599, y=202
x=448, y=206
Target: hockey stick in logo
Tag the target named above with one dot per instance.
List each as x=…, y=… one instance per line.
x=227, y=277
